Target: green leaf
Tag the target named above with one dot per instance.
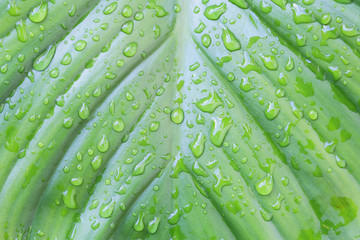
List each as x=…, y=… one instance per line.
x=157, y=119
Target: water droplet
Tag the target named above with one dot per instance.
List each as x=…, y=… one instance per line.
x=206, y=40
x=266, y=215
x=130, y=49
x=154, y=126
x=290, y=64
x=265, y=7
x=96, y=162
x=272, y=110
x=110, y=8
x=128, y=27
x=280, y=3
x=198, y=145
x=127, y=11
x=340, y=162
x=44, y=60
x=221, y=182
x=265, y=186
x=139, y=224
x=13, y=9
x=177, y=116
x=209, y=103
x=72, y=10
x=240, y=3
x=66, y=59
x=302, y=15
x=21, y=31
x=313, y=115
x=68, y=122
x=214, y=12
x=306, y=89
x=68, y=198
x=140, y=167
x=153, y=225
x=246, y=84
x=199, y=170
x=80, y=45
x=104, y=144
x=270, y=62
x=39, y=12
x=230, y=41
x=76, y=181
x=220, y=126
x=118, y=125
x=175, y=216
x=277, y=204
x=325, y=19
x=84, y=111
x=350, y=31
x=107, y=209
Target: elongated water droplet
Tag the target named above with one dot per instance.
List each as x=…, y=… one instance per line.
x=110, y=8
x=153, y=225
x=240, y=3
x=107, y=209
x=198, y=145
x=39, y=12
x=68, y=198
x=139, y=224
x=175, y=217
x=84, y=111
x=220, y=126
x=230, y=41
x=44, y=60
x=280, y=3
x=104, y=144
x=13, y=9
x=96, y=162
x=21, y=31
x=340, y=162
x=266, y=215
x=290, y=64
x=214, y=12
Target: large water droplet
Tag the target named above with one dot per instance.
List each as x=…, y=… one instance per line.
x=110, y=8
x=39, y=12
x=230, y=41
x=272, y=110
x=177, y=116
x=198, y=145
x=130, y=49
x=104, y=144
x=265, y=186
x=68, y=198
x=44, y=60
x=209, y=103
x=21, y=31
x=220, y=126
x=214, y=12
x=153, y=225
x=107, y=209
x=84, y=111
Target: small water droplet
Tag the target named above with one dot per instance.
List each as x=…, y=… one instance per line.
x=107, y=209
x=84, y=111
x=272, y=110
x=198, y=145
x=80, y=45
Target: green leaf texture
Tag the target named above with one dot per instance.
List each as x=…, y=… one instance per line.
x=165, y=119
